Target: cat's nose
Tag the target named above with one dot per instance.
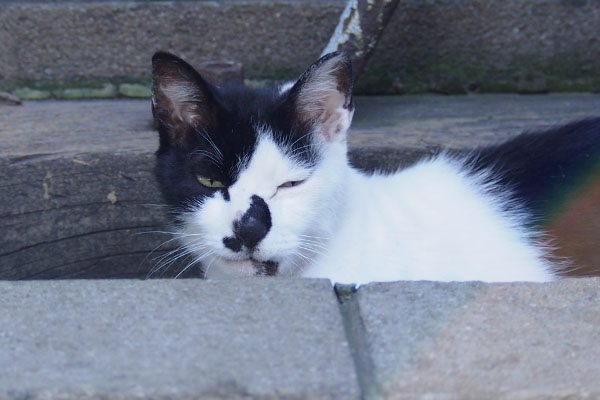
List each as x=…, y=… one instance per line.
x=254, y=224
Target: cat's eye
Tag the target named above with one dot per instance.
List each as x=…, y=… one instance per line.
x=209, y=183
x=290, y=184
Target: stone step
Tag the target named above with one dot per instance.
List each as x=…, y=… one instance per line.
x=447, y=46
x=433, y=340
x=176, y=339
x=260, y=338
x=78, y=198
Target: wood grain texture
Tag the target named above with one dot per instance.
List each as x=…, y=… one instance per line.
x=89, y=216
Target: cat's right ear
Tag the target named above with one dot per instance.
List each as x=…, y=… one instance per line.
x=181, y=100
x=322, y=97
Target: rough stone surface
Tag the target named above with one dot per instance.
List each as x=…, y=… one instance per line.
x=258, y=338
x=286, y=338
x=430, y=340
x=429, y=44
x=119, y=38
x=78, y=199
x=500, y=34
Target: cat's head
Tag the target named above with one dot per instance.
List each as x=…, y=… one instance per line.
x=253, y=177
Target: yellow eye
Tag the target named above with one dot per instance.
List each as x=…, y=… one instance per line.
x=290, y=184
x=209, y=183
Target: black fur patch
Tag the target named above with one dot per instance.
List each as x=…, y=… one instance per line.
x=254, y=224
x=537, y=166
x=232, y=243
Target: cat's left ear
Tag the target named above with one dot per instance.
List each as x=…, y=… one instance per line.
x=181, y=99
x=322, y=96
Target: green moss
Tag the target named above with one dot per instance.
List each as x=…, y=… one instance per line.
x=31, y=94
x=498, y=87
x=264, y=83
x=531, y=82
x=262, y=72
x=448, y=75
x=108, y=90
x=456, y=75
x=582, y=85
x=77, y=83
x=374, y=82
x=135, y=90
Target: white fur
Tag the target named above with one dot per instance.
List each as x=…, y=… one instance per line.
x=429, y=222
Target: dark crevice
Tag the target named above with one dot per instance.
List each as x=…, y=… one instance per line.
x=90, y=259
x=356, y=336
x=77, y=236
x=76, y=205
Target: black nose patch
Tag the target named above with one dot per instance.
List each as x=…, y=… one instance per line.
x=252, y=227
x=232, y=243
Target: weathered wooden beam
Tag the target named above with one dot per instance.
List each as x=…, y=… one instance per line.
x=359, y=29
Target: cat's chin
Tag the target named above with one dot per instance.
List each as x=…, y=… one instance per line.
x=226, y=268
x=223, y=268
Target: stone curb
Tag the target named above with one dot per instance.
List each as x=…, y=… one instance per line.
x=177, y=339
x=286, y=338
x=432, y=340
x=441, y=46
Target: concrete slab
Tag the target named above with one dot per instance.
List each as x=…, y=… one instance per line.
x=444, y=46
x=122, y=339
x=430, y=340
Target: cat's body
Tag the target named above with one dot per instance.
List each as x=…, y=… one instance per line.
x=450, y=227
x=259, y=183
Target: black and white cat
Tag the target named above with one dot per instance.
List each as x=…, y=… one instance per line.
x=258, y=182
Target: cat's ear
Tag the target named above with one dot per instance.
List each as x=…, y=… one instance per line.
x=322, y=96
x=181, y=99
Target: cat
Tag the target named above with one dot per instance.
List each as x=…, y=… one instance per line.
x=258, y=183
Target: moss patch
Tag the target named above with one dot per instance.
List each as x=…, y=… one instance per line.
x=445, y=75
x=135, y=90
x=456, y=76
x=107, y=91
x=32, y=94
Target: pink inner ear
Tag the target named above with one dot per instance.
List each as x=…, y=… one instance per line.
x=333, y=124
x=182, y=102
x=324, y=98
x=325, y=107
x=180, y=105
